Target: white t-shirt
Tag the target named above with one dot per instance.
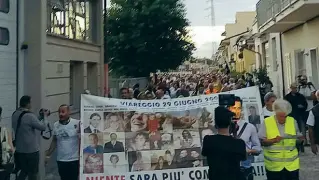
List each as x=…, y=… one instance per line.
x=306, y=91
x=67, y=140
x=311, y=119
x=267, y=113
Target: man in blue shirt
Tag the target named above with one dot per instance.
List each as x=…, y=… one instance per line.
x=248, y=133
x=94, y=148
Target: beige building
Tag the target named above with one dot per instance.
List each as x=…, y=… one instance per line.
x=228, y=48
x=65, y=51
x=288, y=38
x=51, y=50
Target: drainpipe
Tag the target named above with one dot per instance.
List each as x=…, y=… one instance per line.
x=106, y=63
x=282, y=65
x=17, y=53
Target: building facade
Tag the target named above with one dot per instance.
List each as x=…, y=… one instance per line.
x=65, y=51
x=288, y=40
x=229, y=50
x=51, y=50
x=8, y=59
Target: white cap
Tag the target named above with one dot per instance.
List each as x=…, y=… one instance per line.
x=281, y=105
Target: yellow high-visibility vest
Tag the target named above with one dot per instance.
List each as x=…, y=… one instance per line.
x=283, y=154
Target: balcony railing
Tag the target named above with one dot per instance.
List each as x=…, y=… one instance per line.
x=267, y=9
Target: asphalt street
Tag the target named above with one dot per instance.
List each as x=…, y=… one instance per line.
x=309, y=167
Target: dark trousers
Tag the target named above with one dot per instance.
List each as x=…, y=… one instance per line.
x=283, y=175
x=68, y=170
x=4, y=175
x=248, y=173
x=28, y=164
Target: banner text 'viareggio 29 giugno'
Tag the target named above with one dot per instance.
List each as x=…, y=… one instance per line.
x=154, y=139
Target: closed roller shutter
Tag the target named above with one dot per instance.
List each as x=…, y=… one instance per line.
x=8, y=66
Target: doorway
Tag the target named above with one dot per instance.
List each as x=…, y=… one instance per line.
x=92, y=78
x=76, y=83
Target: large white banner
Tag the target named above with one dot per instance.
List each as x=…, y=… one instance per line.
x=154, y=139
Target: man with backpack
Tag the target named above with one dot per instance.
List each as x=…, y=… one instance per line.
x=26, y=127
x=308, y=90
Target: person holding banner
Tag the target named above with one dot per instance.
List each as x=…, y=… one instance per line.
x=248, y=133
x=279, y=135
x=66, y=141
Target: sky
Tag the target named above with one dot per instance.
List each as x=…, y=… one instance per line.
x=202, y=31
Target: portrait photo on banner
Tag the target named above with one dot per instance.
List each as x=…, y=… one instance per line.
x=188, y=119
x=186, y=138
x=93, y=143
x=93, y=163
x=139, y=161
x=187, y=158
x=114, y=142
x=206, y=117
x=137, y=141
x=93, y=122
x=253, y=114
x=162, y=159
x=113, y=122
x=115, y=163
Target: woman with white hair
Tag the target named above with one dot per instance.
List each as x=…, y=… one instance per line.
x=269, y=99
x=279, y=134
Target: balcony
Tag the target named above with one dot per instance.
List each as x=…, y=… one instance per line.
x=281, y=15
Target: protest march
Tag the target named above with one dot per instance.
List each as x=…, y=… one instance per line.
x=194, y=129
x=155, y=139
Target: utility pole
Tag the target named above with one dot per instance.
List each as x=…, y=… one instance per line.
x=213, y=21
x=212, y=9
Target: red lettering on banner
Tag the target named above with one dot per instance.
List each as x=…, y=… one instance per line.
x=116, y=177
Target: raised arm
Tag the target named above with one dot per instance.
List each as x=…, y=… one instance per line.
x=35, y=122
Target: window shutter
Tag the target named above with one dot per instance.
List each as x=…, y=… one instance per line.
x=288, y=69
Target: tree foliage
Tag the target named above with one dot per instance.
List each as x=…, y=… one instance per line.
x=147, y=35
x=261, y=74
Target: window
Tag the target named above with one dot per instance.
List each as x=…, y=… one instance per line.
x=4, y=36
x=259, y=56
x=265, y=49
x=70, y=18
x=4, y=6
x=314, y=66
x=288, y=69
x=300, y=63
x=274, y=53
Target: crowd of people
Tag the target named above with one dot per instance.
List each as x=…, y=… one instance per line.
x=177, y=85
x=282, y=118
